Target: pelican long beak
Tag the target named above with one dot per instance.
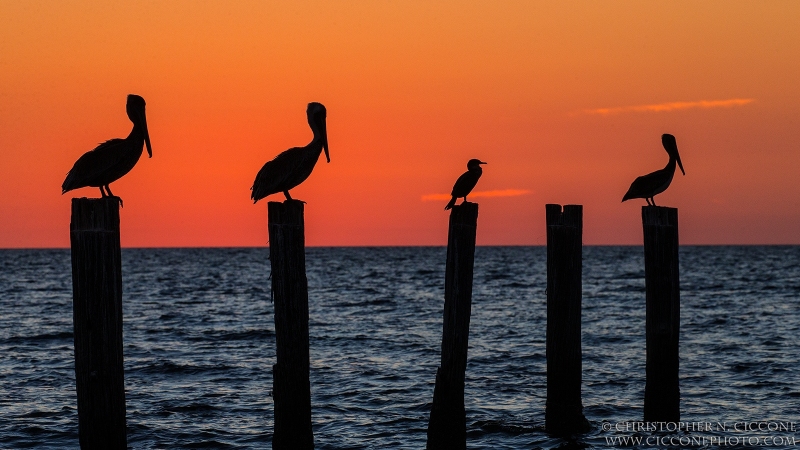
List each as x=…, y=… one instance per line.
x=671, y=146
x=324, y=129
x=146, y=133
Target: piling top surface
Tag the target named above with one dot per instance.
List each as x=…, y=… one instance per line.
x=288, y=212
x=659, y=215
x=464, y=214
x=571, y=216
x=95, y=214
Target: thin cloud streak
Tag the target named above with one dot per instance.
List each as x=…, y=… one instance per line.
x=495, y=193
x=671, y=106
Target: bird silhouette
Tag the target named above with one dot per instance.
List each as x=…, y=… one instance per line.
x=112, y=159
x=293, y=166
x=648, y=186
x=466, y=181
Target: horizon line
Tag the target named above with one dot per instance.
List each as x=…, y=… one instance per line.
x=444, y=245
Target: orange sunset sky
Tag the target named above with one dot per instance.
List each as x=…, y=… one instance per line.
x=566, y=101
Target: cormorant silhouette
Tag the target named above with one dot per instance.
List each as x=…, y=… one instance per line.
x=652, y=184
x=293, y=166
x=466, y=181
x=112, y=159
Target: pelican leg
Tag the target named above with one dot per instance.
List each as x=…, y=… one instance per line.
x=288, y=197
x=108, y=188
x=102, y=192
x=653, y=199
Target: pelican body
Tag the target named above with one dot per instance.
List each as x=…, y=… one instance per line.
x=466, y=181
x=293, y=166
x=112, y=159
x=652, y=184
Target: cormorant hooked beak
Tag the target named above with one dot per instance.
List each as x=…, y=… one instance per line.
x=473, y=164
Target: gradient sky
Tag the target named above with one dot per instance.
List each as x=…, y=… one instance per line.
x=566, y=101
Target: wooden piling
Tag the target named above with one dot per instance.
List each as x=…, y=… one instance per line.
x=564, y=410
x=662, y=393
x=291, y=389
x=97, y=321
x=447, y=428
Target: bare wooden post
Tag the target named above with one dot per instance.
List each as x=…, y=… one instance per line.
x=447, y=428
x=97, y=321
x=564, y=410
x=291, y=388
x=662, y=393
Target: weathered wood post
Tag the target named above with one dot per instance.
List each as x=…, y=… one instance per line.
x=97, y=321
x=291, y=388
x=564, y=410
x=447, y=428
x=661, y=394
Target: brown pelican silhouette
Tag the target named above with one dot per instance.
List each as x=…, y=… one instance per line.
x=293, y=166
x=652, y=184
x=466, y=181
x=112, y=159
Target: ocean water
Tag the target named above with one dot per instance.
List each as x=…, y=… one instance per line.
x=199, y=346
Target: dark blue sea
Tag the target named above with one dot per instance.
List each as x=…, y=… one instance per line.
x=199, y=346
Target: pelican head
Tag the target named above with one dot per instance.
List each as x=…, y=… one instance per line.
x=668, y=141
x=317, y=115
x=474, y=164
x=135, y=109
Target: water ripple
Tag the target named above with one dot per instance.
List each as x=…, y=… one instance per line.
x=200, y=344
